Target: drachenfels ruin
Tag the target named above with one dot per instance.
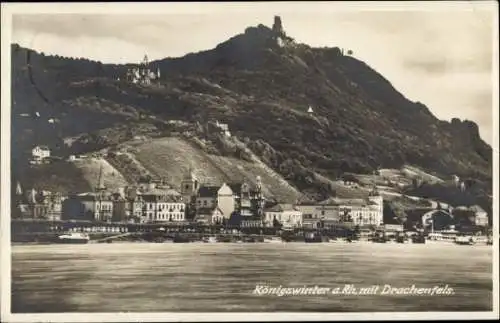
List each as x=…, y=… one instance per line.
x=278, y=26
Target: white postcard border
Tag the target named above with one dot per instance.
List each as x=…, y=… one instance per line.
x=8, y=9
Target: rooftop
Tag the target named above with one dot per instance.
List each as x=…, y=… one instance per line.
x=476, y=208
x=281, y=208
x=208, y=191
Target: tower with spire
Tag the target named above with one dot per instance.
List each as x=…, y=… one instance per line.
x=100, y=188
x=259, y=197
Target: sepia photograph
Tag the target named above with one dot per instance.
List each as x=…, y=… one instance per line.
x=249, y=161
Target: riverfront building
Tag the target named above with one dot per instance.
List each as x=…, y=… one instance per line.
x=286, y=215
x=361, y=212
x=227, y=198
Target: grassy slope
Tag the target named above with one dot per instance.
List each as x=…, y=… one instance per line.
x=90, y=169
x=172, y=157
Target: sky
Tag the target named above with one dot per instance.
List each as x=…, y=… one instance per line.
x=438, y=55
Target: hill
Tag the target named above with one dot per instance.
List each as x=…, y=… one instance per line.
x=172, y=157
x=260, y=83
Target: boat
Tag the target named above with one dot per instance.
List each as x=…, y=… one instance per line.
x=418, y=239
x=379, y=239
x=248, y=239
x=401, y=239
x=210, y=239
x=73, y=237
x=464, y=240
x=443, y=236
x=311, y=237
x=180, y=239
x=273, y=240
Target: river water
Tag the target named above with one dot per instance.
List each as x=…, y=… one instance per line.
x=223, y=277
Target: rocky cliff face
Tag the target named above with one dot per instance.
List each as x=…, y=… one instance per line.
x=262, y=90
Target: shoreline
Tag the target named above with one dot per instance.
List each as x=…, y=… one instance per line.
x=361, y=242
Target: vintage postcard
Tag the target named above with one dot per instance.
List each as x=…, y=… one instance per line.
x=249, y=161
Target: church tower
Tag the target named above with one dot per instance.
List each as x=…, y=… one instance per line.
x=259, y=196
x=189, y=186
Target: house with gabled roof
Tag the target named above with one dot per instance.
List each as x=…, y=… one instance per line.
x=207, y=196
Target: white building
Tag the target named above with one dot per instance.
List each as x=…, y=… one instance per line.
x=363, y=211
x=481, y=216
x=159, y=207
x=286, y=214
x=210, y=215
x=40, y=153
x=224, y=128
x=225, y=200
x=369, y=211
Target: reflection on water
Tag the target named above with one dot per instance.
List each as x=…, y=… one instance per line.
x=222, y=277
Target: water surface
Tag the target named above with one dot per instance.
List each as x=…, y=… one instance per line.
x=222, y=277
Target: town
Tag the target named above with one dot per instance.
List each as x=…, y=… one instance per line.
x=194, y=206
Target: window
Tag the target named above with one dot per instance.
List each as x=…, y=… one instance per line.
x=205, y=203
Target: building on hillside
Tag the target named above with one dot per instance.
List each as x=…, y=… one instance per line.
x=480, y=216
x=249, y=200
x=285, y=215
x=224, y=128
x=350, y=180
x=142, y=74
x=40, y=154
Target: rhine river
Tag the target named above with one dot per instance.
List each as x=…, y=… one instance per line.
x=218, y=277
